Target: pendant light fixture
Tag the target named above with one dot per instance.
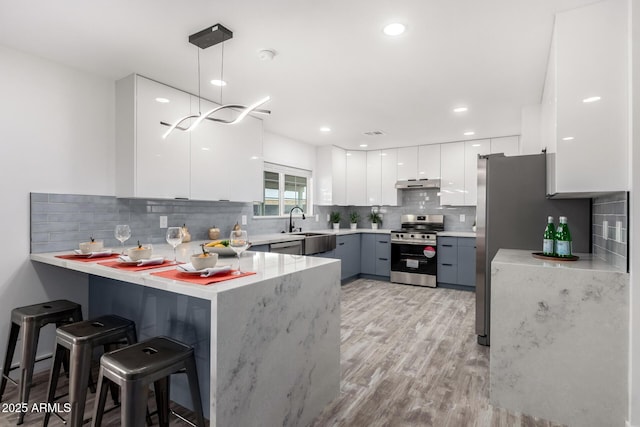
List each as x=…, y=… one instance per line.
x=203, y=39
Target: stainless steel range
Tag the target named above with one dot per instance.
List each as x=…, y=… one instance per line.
x=414, y=260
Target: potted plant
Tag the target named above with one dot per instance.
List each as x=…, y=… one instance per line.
x=334, y=218
x=354, y=217
x=375, y=219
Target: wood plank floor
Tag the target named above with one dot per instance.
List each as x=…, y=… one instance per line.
x=409, y=358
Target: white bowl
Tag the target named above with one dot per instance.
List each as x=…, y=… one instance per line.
x=136, y=254
x=88, y=247
x=201, y=262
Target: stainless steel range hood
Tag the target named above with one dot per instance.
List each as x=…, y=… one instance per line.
x=418, y=183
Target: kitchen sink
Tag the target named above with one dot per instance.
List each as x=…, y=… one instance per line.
x=315, y=243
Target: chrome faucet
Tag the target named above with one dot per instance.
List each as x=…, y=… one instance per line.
x=291, y=217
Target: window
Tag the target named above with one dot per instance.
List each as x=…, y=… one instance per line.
x=284, y=188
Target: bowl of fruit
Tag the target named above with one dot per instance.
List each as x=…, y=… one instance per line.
x=220, y=247
x=203, y=260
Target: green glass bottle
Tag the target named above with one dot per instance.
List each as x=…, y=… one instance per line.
x=549, y=238
x=563, y=239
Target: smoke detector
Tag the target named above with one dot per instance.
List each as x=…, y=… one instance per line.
x=266, y=54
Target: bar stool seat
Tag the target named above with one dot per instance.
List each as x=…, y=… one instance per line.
x=135, y=367
x=79, y=339
x=30, y=319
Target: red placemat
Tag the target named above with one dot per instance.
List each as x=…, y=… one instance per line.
x=83, y=259
x=129, y=267
x=191, y=278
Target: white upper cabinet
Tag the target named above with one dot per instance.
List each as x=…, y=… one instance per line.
x=356, y=183
x=472, y=149
x=226, y=160
x=374, y=178
x=147, y=164
x=407, y=163
x=590, y=66
x=452, y=164
x=389, y=176
x=508, y=145
x=330, y=175
x=212, y=162
x=429, y=161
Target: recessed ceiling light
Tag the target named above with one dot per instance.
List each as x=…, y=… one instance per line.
x=254, y=157
x=421, y=173
x=364, y=145
x=591, y=99
x=217, y=82
x=400, y=164
x=567, y=138
x=469, y=133
x=205, y=149
x=460, y=109
x=394, y=29
x=162, y=100
x=325, y=129
x=475, y=145
x=383, y=154
x=348, y=154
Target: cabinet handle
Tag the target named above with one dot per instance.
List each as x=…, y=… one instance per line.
x=448, y=265
x=341, y=243
x=383, y=259
x=448, y=246
x=382, y=241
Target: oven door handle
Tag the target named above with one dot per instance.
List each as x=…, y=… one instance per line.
x=425, y=243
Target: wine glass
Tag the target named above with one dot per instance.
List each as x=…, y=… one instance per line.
x=123, y=233
x=239, y=243
x=174, y=238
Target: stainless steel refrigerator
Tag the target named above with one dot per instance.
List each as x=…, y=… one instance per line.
x=512, y=213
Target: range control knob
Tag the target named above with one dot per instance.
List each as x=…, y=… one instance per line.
x=424, y=236
x=412, y=236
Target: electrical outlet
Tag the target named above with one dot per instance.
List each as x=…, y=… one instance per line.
x=426, y=198
x=328, y=219
x=317, y=217
x=605, y=230
x=163, y=222
x=244, y=220
x=462, y=217
x=619, y=231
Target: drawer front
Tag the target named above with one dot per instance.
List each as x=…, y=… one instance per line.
x=447, y=253
x=447, y=273
x=467, y=241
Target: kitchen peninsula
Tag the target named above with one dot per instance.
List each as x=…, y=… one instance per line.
x=267, y=345
x=559, y=344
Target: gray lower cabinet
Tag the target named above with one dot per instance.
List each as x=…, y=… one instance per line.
x=457, y=261
x=259, y=248
x=375, y=254
x=348, y=251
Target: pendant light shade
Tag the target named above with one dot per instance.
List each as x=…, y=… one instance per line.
x=204, y=39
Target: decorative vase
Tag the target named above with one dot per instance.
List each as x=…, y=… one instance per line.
x=354, y=225
x=336, y=226
x=374, y=225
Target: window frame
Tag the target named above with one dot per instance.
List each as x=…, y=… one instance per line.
x=283, y=170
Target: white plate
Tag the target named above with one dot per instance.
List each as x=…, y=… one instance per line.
x=100, y=254
x=136, y=262
x=226, y=251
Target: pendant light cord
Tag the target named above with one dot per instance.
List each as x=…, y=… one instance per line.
x=221, y=73
x=199, y=97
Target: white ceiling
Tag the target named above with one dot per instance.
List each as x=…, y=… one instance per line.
x=334, y=65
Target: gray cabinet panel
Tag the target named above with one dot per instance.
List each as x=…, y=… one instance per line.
x=447, y=250
x=457, y=261
x=383, y=255
x=260, y=248
x=447, y=273
x=467, y=261
x=368, y=254
x=348, y=251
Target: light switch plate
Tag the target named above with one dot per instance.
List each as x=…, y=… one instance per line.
x=317, y=217
x=619, y=231
x=163, y=222
x=605, y=230
x=462, y=217
x=244, y=220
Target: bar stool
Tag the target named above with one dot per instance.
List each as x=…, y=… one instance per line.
x=78, y=340
x=31, y=319
x=135, y=367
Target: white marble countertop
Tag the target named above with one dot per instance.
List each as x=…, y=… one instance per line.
x=524, y=258
x=456, y=234
x=266, y=265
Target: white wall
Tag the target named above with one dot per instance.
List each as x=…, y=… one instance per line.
x=284, y=151
x=634, y=220
x=530, y=135
x=58, y=136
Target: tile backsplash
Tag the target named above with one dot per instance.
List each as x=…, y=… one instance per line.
x=608, y=243
x=60, y=221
